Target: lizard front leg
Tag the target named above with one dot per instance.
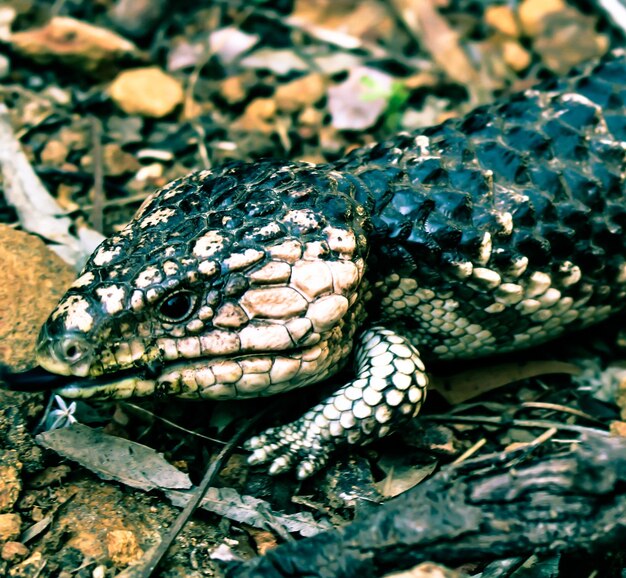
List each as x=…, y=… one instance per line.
x=389, y=389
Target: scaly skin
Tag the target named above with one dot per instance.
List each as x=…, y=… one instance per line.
x=489, y=233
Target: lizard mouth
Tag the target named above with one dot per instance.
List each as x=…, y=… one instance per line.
x=229, y=377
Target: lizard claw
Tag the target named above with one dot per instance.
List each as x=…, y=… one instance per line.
x=299, y=443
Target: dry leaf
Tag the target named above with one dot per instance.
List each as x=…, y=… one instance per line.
x=114, y=458
x=466, y=385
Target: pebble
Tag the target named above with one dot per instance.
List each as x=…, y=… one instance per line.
x=10, y=526
x=123, y=547
x=13, y=551
x=146, y=91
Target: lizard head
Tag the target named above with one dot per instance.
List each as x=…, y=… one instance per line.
x=243, y=281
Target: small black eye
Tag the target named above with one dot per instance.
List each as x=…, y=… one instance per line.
x=178, y=306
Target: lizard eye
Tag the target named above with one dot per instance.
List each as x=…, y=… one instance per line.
x=178, y=306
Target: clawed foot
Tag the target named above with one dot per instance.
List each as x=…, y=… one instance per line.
x=300, y=444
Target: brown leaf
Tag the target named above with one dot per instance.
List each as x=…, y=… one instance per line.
x=467, y=385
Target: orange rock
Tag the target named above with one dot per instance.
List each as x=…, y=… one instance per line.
x=146, y=91
x=54, y=153
x=297, y=94
x=14, y=551
x=232, y=89
x=618, y=428
x=32, y=280
x=75, y=44
x=533, y=12
x=10, y=482
x=502, y=18
x=258, y=116
x=122, y=547
x=515, y=55
x=10, y=525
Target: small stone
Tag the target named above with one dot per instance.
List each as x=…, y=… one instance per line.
x=136, y=18
x=532, y=14
x=258, y=116
x=14, y=551
x=10, y=525
x=502, y=19
x=10, y=482
x=146, y=91
x=515, y=55
x=75, y=44
x=232, y=89
x=311, y=117
x=618, y=428
x=75, y=138
x=358, y=102
x=118, y=162
x=122, y=547
x=297, y=94
x=150, y=172
x=54, y=153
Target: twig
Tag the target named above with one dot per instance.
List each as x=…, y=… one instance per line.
x=142, y=412
x=153, y=557
x=470, y=451
x=523, y=423
x=97, y=209
x=561, y=408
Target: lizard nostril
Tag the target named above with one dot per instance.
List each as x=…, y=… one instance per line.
x=72, y=351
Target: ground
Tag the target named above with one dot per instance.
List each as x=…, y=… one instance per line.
x=111, y=100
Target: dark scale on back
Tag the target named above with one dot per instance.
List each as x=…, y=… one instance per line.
x=486, y=234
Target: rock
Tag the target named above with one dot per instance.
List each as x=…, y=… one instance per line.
x=232, y=89
x=32, y=280
x=122, y=547
x=618, y=428
x=54, y=153
x=75, y=138
x=75, y=44
x=151, y=172
x=13, y=551
x=118, y=162
x=10, y=481
x=10, y=525
x=515, y=55
x=299, y=93
x=533, y=12
x=146, y=91
x=503, y=19
x=258, y=116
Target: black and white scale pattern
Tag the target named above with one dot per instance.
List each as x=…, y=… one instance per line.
x=485, y=234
